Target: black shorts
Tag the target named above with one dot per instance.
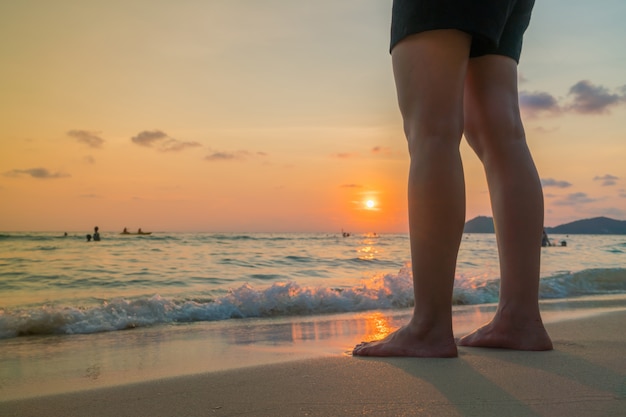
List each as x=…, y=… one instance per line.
x=497, y=26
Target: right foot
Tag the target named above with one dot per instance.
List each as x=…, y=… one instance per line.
x=407, y=342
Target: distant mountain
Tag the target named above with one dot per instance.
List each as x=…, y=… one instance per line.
x=595, y=226
x=480, y=224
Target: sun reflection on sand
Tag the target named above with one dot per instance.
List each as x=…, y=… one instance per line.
x=372, y=326
x=377, y=326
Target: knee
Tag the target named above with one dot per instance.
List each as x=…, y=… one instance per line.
x=434, y=136
x=492, y=131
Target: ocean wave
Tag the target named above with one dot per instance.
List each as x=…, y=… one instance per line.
x=36, y=237
x=588, y=282
x=267, y=237
x=387, y=291
x=278, y=300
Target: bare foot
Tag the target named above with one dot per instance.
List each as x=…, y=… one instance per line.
x=498, y=334
x=407, y=342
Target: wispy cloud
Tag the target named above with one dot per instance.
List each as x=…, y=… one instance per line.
x=612, y=212
x=222, y=156
x=217, y=156
x=39, y=173
x=351, y=186
x=173, y=145
x=87, y=137
x=607, y=179
x=588, y=98
x=551, y=182
x=544, y=130
x=616, y=212
x=381, y=150
x=521, y=78
x=345, y=155
x=574, y=199
x=161, y=141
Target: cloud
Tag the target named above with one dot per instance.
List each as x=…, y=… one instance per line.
x=86, y=137
x=612, y=212
x=583, y=98
x=538, y=102
x=381, y=150
x=551, y=182
x=593, y=99
x=148, y=137
x=221, y=156
x=351, y=186
x=543, y=130
x=39, y=173
x=575, y=199
x=161, y=141
x=233, y=156
x=607, y=179
x=173, y=145
x=521, y=78
x=345, y=155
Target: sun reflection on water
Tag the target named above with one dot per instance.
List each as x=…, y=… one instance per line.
x=367, y=249
x=367, y=253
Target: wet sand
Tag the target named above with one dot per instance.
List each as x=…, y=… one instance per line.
x=584, y=376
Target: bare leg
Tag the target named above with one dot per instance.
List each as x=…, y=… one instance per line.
x=494, y=130
x=429, y=70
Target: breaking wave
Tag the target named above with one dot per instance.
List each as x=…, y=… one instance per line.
x=284, y=299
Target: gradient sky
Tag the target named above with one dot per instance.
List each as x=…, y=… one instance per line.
x=274, y=115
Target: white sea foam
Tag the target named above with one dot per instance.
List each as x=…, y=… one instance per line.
x=284, y=299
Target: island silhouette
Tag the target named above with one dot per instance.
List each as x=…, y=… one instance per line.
x=593, y=226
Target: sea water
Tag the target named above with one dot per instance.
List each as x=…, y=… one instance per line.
x=55, y=284
x=77, y=314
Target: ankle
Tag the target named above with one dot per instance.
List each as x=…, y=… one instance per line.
x=518, y=316
x=431, y=327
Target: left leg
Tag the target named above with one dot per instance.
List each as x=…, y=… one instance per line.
x=493, y=128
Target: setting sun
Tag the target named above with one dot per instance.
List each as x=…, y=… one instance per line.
x=370, y=204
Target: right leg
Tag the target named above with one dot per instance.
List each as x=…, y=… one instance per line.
x=429, y=69
x=494, y=130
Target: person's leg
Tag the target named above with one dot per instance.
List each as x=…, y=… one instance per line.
x=494, y=129
x=429, y=69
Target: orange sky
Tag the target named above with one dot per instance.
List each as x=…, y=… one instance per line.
x=281, y=116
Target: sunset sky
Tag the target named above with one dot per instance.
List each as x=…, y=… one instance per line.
x=273, y=115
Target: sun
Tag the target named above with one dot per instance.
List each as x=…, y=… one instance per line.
x=370, y=204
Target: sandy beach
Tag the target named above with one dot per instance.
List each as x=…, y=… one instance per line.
x=584, y=376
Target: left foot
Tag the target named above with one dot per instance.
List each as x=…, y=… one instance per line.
x=497, y=334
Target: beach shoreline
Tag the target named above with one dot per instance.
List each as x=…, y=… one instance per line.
x=47, y=365
x=584, y=375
